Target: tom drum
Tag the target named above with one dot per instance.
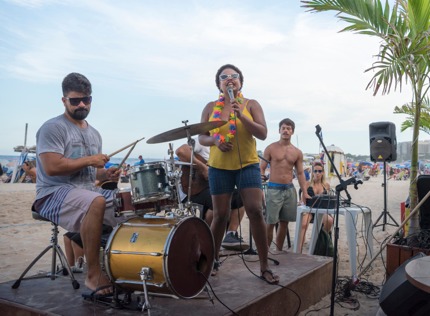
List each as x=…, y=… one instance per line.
x=149, y=183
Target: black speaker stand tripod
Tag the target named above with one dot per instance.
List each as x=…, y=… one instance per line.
x=385, y=213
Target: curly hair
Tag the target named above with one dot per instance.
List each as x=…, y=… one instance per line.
x=221, y=69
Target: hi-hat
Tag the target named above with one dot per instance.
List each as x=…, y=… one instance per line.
x=181, y=132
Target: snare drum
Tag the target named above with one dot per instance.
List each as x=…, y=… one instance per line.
x=149, y=183
x=124, y=205
x=179, y=252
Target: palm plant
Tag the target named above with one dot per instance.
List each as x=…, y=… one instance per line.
x=403, y=55
x=409, y=110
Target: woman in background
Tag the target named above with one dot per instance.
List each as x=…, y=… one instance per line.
x=318, y=185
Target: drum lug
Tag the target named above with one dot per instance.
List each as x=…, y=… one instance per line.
x=117, y=202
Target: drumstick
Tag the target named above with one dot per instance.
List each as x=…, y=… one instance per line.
x=128, y=154
x=125, y=147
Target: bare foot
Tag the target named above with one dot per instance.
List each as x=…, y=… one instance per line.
x=277, y=252
x=99, y=283
x=269, y=277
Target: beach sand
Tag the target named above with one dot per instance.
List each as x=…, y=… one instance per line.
x=22, y=238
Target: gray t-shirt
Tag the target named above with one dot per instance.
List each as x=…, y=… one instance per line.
x=59, y=135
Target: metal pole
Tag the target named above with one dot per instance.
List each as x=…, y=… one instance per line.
x=25, y=137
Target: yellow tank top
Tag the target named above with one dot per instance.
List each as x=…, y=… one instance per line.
x=243, y=141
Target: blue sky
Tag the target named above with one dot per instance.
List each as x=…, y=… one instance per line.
x=153, y=63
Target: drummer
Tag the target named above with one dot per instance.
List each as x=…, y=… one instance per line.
x=69, y=160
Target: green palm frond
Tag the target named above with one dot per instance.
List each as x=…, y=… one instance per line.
x=409, y=110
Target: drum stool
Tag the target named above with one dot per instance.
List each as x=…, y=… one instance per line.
x=56, y=250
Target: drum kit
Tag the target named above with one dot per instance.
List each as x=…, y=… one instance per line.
x=167, y=255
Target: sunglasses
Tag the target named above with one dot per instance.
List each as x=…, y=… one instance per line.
x=77, y=101
x=318, y=171
x=232, y=76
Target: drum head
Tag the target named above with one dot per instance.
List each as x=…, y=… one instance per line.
x=190, y=255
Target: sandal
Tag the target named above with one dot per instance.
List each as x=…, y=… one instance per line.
x=275, y=278
x=215, y=269
x=95, y=296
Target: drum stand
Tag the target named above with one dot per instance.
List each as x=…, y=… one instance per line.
x=189, y=209
x=145, y=275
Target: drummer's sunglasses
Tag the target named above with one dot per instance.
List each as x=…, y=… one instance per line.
x=77, y=101
x=232, y=76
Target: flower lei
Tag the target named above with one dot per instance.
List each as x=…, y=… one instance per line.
x=219, y=105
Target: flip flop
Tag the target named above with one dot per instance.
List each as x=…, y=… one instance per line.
x=96, y=296
x=275, y=278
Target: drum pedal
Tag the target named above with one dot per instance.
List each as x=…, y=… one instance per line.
x=145, y=275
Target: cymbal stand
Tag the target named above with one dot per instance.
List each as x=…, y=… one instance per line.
x=192, y=143
x=174, y=175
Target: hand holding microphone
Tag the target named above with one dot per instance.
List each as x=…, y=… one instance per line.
x=230, y=93
x=234, y=105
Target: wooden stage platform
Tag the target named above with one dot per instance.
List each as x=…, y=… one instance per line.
x=304, y=281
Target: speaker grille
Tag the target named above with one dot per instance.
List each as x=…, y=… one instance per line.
x=383, y=144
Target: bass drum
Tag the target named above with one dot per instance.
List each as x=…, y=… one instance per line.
x=179, y=252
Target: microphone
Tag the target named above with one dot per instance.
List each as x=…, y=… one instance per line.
x=230, y=92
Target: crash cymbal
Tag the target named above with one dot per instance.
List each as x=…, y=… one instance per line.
x=181, y=132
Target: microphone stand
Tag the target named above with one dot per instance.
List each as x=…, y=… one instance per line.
x=340, y=187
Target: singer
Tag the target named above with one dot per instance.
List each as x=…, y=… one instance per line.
x=233, y=161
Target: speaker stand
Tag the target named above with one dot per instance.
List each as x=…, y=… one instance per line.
x=385, y=213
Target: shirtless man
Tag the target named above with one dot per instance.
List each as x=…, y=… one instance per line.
x=281, y=198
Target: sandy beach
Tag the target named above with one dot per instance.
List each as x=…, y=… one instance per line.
x=22, y=238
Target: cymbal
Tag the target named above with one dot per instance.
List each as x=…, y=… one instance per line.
x=181, y=132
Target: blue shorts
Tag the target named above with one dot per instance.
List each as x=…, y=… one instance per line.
x=224, y=181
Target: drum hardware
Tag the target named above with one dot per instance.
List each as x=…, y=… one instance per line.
x=146, y=274
x=211, y=299
x=183, y=132
x=176, y=177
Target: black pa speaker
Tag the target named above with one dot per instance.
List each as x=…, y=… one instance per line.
x=399, y=297
x=383, y=144
x=423, y=186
